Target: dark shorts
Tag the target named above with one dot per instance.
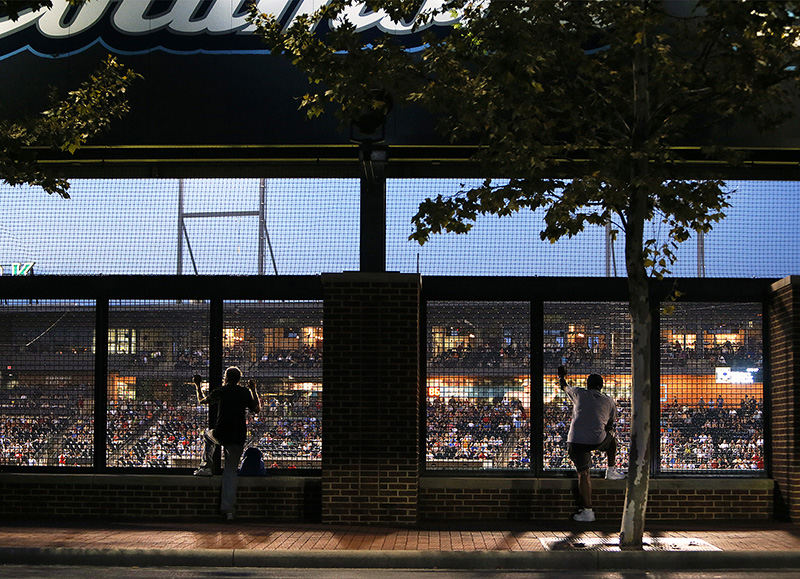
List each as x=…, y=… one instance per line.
x=581, y=454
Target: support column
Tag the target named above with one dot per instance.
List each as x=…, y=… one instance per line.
x=370, y=400
x=372, y=244
x=784, y=364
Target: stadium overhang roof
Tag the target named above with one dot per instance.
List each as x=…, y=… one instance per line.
x=213, y=102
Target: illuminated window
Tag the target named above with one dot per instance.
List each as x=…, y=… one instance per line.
x=232, y=337
x=121, y=341
x=478, y=390
x=712, y=394
x=121, y=387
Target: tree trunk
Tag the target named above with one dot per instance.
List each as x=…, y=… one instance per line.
x=633, y=515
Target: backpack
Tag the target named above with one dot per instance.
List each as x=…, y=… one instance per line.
x=253, y=463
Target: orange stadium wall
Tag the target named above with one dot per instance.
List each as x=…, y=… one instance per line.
x=688, y=389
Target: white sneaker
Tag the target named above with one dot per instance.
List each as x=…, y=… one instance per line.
x=205, y=471
x=584, y=516
x=613, y=473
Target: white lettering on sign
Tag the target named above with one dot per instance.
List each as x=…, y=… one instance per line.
x=729, y=376
x=9, y=27
x=20, y=268
x=364, y=19
x=131, y=17
x=52, y=22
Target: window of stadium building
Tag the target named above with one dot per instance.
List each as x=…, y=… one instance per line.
x=586, y=338
x=122, y=341
x=155, y=347
x=712, y=392
x=47, y=383
x=478, y=385
x=278, y=344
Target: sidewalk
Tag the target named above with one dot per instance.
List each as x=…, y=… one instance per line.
x=701, y=545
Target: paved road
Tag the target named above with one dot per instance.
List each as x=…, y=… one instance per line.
x=79, y=572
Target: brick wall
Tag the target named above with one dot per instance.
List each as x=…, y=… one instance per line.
x=370, y=404
x=297, y=499
x=475, y=499
x=784, y=344
x=118, y=497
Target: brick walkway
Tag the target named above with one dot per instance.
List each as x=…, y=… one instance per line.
x=310, y=537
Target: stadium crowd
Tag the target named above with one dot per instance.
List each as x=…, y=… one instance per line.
x=484, y=356
x=304, y=360
x=724, y=354
x=157, y=434
x=37, y=429
x=474, y=429
x=188, y=360
x=30, y=422
x=703, y=436
x=713, y=435
x=577, y=355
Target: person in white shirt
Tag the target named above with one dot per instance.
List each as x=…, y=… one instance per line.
x=594, y=415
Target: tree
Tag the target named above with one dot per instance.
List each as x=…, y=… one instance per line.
x=69, y=121
x=581, y=105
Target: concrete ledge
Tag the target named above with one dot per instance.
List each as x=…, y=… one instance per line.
x=426, y=482
x=163, y=480
x=369, y=277
x=695, y=483
x=598, y=560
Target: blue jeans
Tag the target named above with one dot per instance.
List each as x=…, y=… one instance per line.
x=230, y=473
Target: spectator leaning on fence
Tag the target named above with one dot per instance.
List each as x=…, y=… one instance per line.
x=230, y=431
x=592, y=428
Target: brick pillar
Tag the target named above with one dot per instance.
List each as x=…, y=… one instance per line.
x=784, y=350
x=370, y=399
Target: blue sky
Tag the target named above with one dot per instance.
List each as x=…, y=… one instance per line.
x=131, y=226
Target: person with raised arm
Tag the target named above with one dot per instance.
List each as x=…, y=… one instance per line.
x=594, y=416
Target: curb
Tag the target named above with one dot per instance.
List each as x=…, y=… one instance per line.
x=596, y=560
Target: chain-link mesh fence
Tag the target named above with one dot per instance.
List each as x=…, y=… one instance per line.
x=586, y=338
x=183, y=226
x=154, y=349
x=712, y=392
x=758, y=238
x=478, y=388
x=278, y=344
x=47, y=383
x=309, y=226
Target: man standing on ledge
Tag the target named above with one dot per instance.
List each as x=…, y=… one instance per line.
x=229, y=431
x=591, y=428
